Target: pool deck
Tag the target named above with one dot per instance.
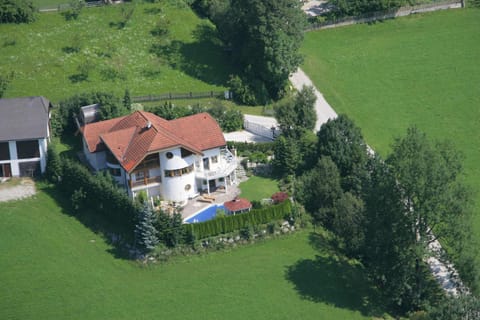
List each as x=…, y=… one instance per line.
x=196, y=204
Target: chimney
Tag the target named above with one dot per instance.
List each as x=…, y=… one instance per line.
x=149, y=125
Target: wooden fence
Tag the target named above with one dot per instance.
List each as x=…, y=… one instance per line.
x=388, y=14
x=188, y=95
x=66, y=6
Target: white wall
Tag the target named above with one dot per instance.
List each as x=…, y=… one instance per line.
x=98, y=160
x=174, y=188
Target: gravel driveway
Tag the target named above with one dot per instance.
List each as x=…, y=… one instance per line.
x=323, y=109
x=12, y=191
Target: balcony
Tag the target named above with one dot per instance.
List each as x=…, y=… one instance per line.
x=227, y=164
x=145, y=182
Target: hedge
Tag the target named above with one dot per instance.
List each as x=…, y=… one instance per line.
x=230, y=223
x=101, y=194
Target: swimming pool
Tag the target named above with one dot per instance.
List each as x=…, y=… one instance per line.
x=206, y=214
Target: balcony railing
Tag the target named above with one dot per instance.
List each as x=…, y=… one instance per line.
x=145, y=181
x=227, y=165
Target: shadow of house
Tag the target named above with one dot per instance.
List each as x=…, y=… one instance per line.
x=333, y=279
x=205, y=59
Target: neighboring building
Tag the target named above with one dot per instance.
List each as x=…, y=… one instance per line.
x=237, y=205
x=24, y=136
x=174, y=160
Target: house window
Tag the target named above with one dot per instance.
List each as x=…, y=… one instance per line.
x=179, y=172
x=214, y=159
x=185, y=153
x=28, y=149
x=4, y=151
x=140, y=175
x=115, y=172
x=169, y=155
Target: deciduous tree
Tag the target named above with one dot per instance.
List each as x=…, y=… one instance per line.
x=297, y=116
x=265, y=36
x=342, y=141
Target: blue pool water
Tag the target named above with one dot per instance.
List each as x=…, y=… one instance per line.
x=206, y=214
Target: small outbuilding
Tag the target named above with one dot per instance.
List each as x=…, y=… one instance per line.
x=237, y=205
x=24, y=135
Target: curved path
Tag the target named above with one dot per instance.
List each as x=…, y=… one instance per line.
x=323, y=109
x=444, y=272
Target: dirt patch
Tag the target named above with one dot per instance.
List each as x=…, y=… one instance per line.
x=15, y=189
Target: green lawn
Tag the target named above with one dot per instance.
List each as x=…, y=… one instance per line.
x=53, y=267
x=421, y=70
x=44, y=59
x=258, y=188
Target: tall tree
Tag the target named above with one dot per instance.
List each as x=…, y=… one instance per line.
x=265, y=36
x=436, y=203
x=348, y=222
x=319, y=189
x=297, y=116
x=145, y=231
x=341, y=140
x=389, y=246
x=286, y=156
x=429, y=175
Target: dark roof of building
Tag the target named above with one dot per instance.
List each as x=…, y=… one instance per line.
x=24, y=118
x=238, y=204
x=132, y=137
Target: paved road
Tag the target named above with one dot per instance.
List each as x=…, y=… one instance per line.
x=324, y=110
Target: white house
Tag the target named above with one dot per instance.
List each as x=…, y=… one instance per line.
x=174, y=160
x=24, y=136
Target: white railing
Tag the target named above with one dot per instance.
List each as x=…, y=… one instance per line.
x=227, y=165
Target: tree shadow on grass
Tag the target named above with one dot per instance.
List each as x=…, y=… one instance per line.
x=93, y=222
x=335, y=280
x=204, y=59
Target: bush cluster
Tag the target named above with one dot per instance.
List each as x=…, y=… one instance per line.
x=244, y=148
x=228, y=119
x=16, y=11
x=227, y=224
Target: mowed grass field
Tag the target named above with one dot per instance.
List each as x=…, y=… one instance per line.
x=53, y=267
x=258, y=188
x=420, y=70
x=49, y=55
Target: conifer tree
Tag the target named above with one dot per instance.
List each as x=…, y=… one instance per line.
x=145, y=231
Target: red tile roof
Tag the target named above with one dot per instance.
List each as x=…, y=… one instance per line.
x=238, y=204
x=130, y=139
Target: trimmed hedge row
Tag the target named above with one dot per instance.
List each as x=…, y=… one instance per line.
x=99, y=193
x=230, y=223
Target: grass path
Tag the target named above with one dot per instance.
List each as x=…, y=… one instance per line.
x=52, y=267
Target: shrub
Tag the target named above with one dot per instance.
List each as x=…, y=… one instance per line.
x=54, y=165
x=242, y=92
x=246, y=232
x=16, y=11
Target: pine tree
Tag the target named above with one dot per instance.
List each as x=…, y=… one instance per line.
x=145, y=231
x=127, y=100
